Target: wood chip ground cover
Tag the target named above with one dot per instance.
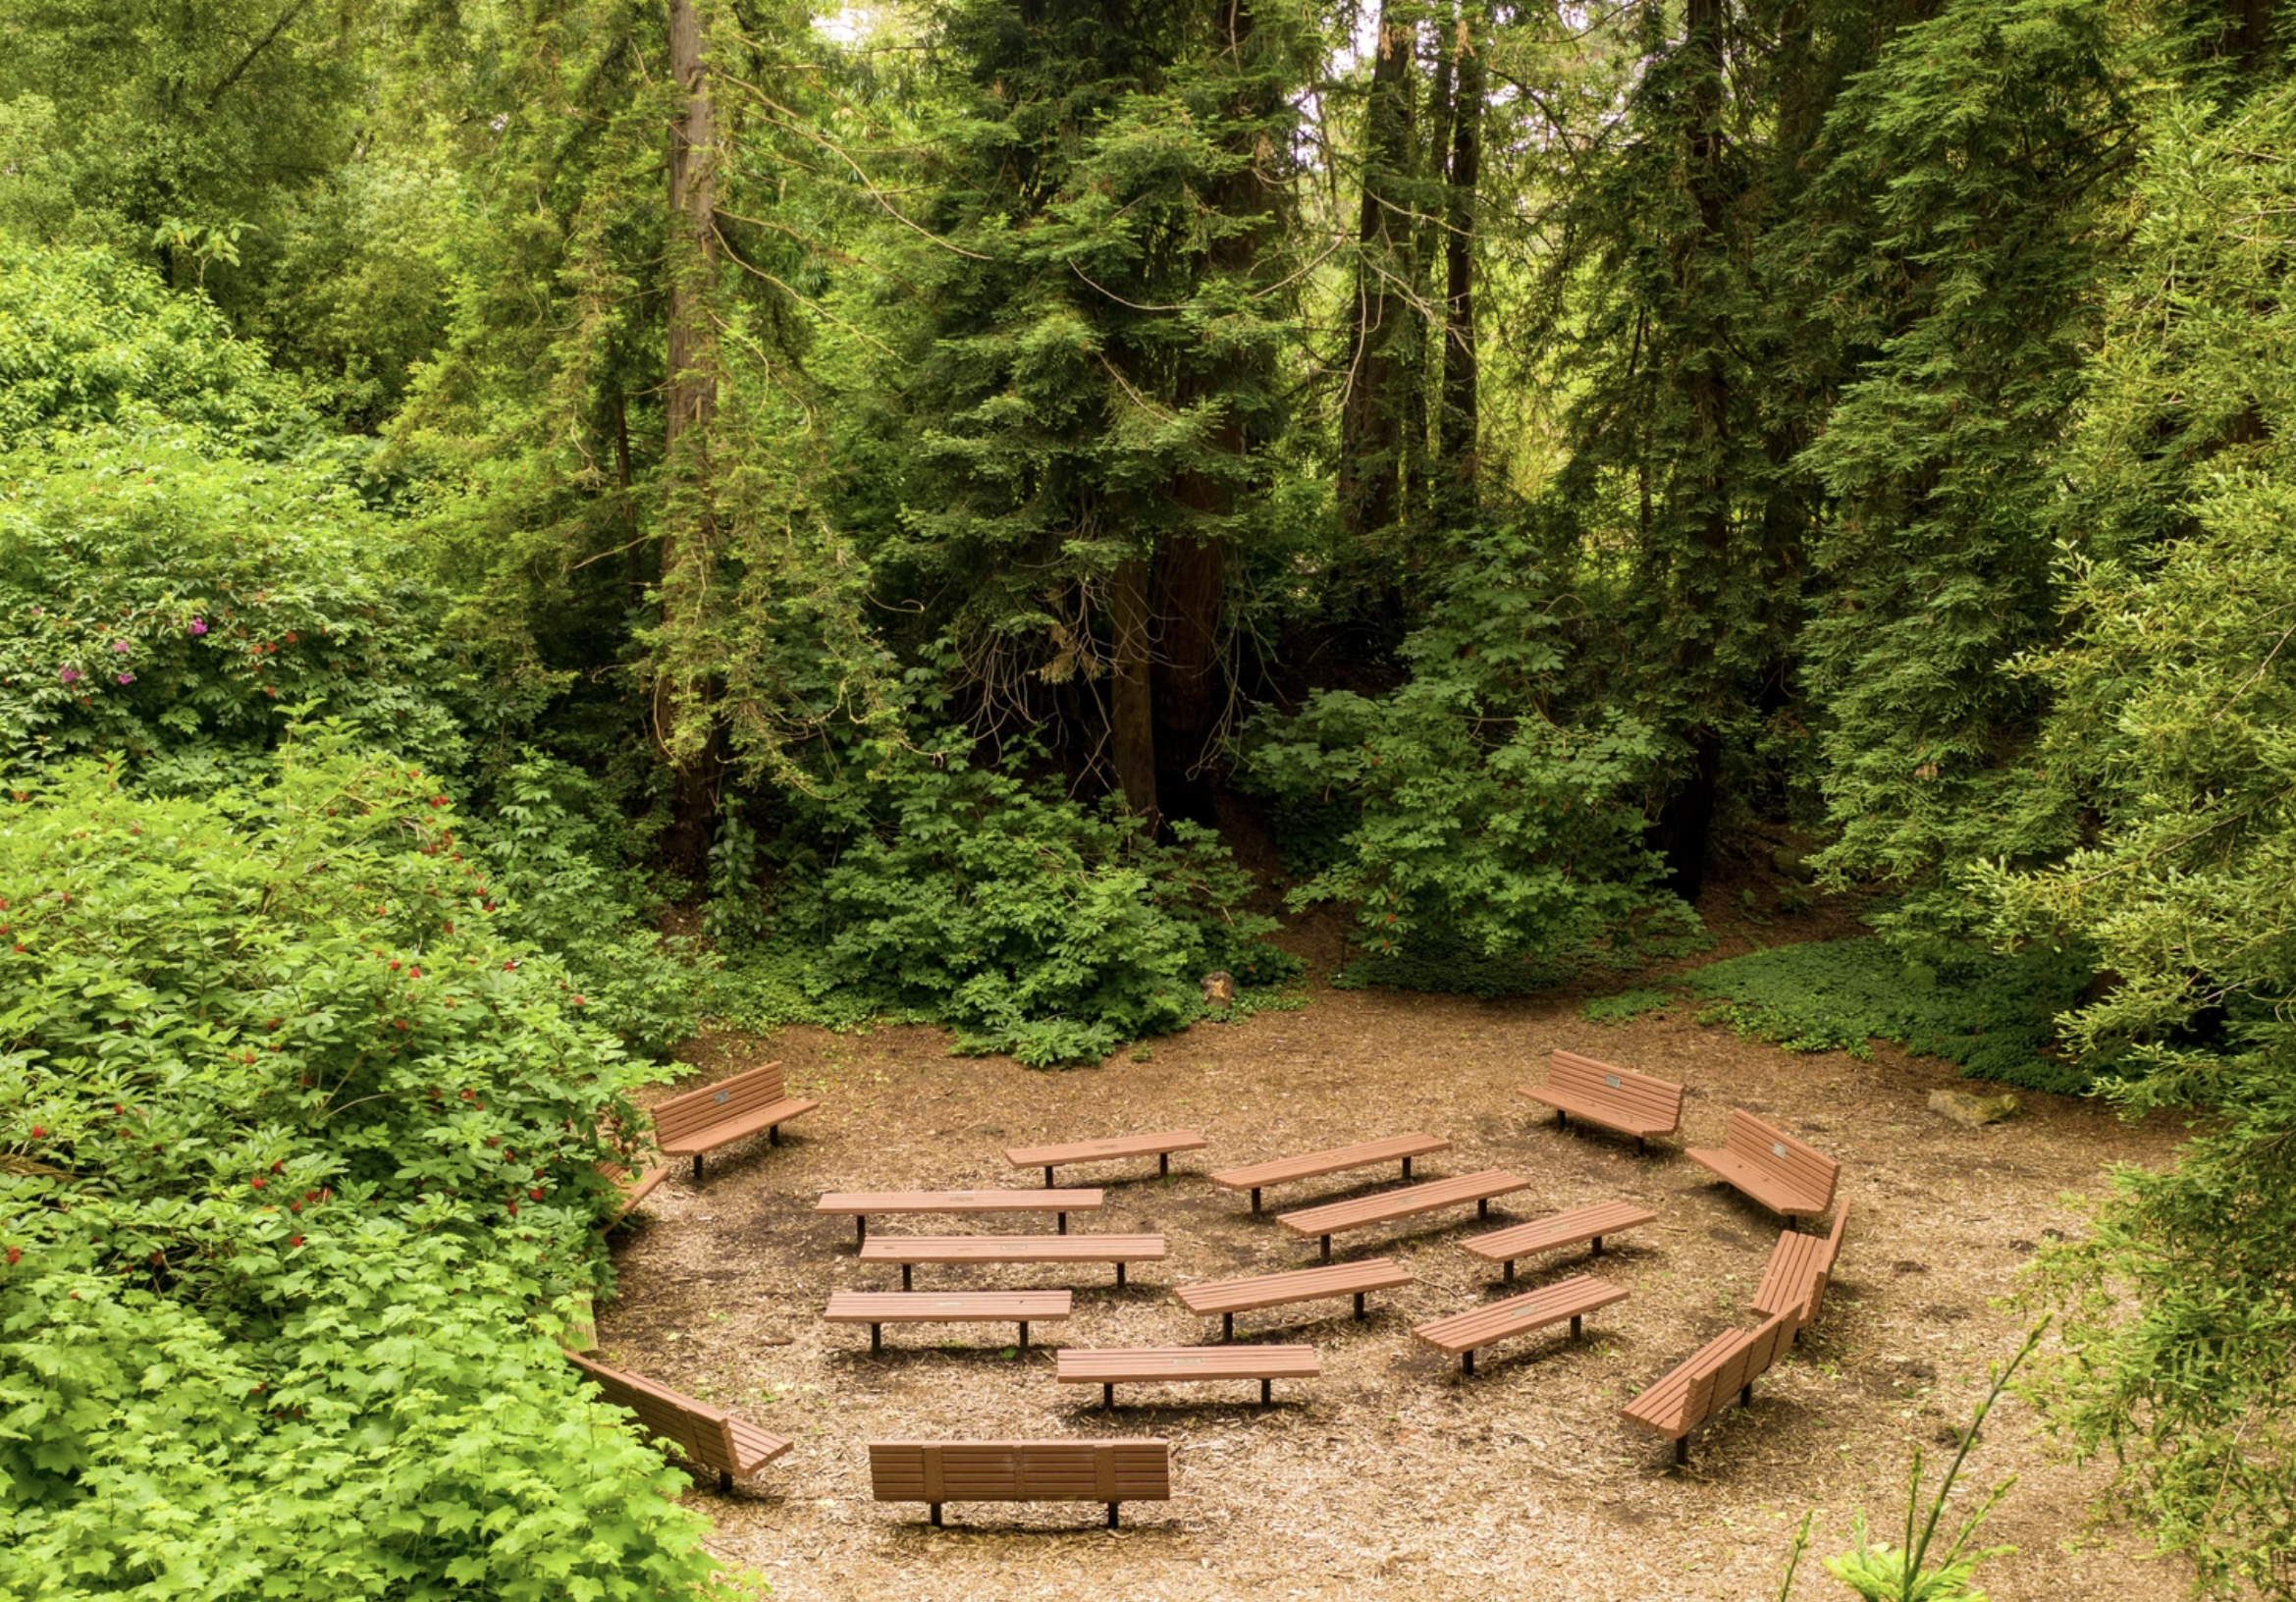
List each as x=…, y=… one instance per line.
x=1522, y=1480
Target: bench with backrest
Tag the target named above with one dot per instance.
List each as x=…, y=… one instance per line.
x=1339, y=1159
x=877, y=1309
x=1783, y=1174
x=1223, y=1299
x=1800, y=1268
x=863, y=1204
x=1462, y=1333
x=1160, y=1145
x=1573, y=1228
x=1705, y=1384
x=632, y=1184
x=1110, y=1368
x=732, y=1109
x=1615, y=1097
x=709, y=1438
x=911, y=1250
x=1404, y=1201
x=935, y=1473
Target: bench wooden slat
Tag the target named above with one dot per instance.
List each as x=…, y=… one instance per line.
x=1800, y=1268
x=911, y=1250
x=1226, y=1297
x=709, y=1438
x=694, y=1122
x=1705, y=1384
x=631, y=1185
x=877, y=1309
x=862, y=1205
x=1404, y=1201
x=1602, y=1092
x=1260, y=1176
x=1572, y=1228
x=1111, y=1472
x=1142, y=1365
x=1160, y=1144
x=1574, y=1299
x=1783, y=1174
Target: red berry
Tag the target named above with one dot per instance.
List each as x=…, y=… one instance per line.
x=16, y=1255
x=579, y=1003
x=513, y=1209
x=279, y=1167
x=295, y=1240
x=533, y=1195
x=38, y=1132
x=257, y=1182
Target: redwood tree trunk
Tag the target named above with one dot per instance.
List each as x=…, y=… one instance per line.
x=1132, y=718
x=1369, y=423
x=1457, y=434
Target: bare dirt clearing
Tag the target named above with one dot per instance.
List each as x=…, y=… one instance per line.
x=1391, y=1467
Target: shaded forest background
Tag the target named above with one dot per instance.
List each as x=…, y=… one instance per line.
x=734, y=509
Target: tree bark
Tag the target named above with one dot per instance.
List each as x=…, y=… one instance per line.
x=1370, y=422
x=1132, y=716
x=1461, y=371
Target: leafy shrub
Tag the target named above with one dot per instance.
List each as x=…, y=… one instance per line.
x=1994, y=1016
x=300, y=1157
x=1622, y=1005
x=1031, y=925
x=176, y=607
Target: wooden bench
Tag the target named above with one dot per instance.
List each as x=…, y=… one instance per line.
x=1159, y=1146
x=862, y=1203
x=1404, y=1202
x=1226, y=1297
x=910, y=1250
x=1800, y=1268
x=1783, y=1174
x=1631, y=1103
x=1572, y=1228
x=631, y=1186
x=1573, y=1299
x=877, y=1309
x=935, y=1473
x=709, y=1438
x=732, y=1109
x=1702, y=1386
x=1338, y=1160
x=1108, y=1367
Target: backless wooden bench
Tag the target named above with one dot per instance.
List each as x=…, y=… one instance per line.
x=1572, y=1228
x=709, y=1438
x=1783, y=1174
x=1615, y=1097
x=862, y=1203
x=910, y=1250
x=1404, y=1202
x=732, y=1109
x=1339, y=1159
x=1800, y=1268
x=1573, y=1299
x=1159, y=1146
x=1225, y=1298
x=877, y=1309
x=1703, y=1386
x=1108, y=1367
x=935, y=1472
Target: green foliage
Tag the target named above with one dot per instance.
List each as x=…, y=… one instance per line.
x=1994, y=1016
x=301, y=1171
x=1623, y=1006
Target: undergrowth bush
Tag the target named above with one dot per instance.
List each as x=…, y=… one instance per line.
x=1624, y=1005
x=1994, y=1016
x=298, y=1175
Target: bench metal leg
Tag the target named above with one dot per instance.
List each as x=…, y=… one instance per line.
x=1575, y=1328
x=1561, y=1119
x=1482, y=1208
x=1063, y=1217
x=1227, y=1326
x=1682, y=1452
x=1109, y=1395
x=861, y=1226
x=1466, y=1361
x=1111, y=1515
x=725, y=1482
x=1120, y=1276
x=1255, y=1199
x=1164, y=1164
x=1359, y=1304
x=1642, y=1146
x=1024, y=1335
x=935, y=1514
x=1507, y=1271
x=1745, y=1398
x=906, y=1276
x=1326, y=1249
x=697, y=1167
x=1266, y=1392
x=773, y=1134
x=1047, y=1179
x=1598, y=1245
x=877, y=1337
x=1407, y=1167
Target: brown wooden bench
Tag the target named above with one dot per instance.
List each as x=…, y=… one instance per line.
x=1404, y=1201
x=1615, y=1097
x=910, y=1250
x=1339, y=1159
x=1783, y=1174
x=935, y=1473
x=631, y=1186
x=1572, y=1228
x=1226, y=1297
x=1573, y=1299
x=732, y=1109
x=709, y=1438
x=1800, y=1268
x=877, y=1309
x=1159, y=1146
x=863, y=1204
x=1110, y=1368
x=1703, y=1386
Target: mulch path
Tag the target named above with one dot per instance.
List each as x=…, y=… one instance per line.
x=1389, y=1467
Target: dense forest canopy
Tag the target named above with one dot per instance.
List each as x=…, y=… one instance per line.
x=645, y=509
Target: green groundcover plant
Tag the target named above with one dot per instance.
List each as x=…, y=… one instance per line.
x=296, y=1176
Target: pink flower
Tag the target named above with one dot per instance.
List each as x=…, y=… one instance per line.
x=127, y=678
x=70, y=675
x=198, y=626
x=120, y=645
